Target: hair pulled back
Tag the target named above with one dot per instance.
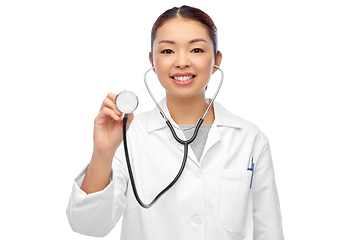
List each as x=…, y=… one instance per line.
x=187, y=13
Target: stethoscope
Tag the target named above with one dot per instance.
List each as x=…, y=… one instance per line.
x=127, y=102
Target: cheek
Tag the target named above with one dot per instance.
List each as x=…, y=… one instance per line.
x=161, y=71
x=161, y=65
x=206, y=62
x=207, y=66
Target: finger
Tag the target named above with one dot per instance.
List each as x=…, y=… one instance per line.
x=111, y=96
x=107, y=112
x=110, y=104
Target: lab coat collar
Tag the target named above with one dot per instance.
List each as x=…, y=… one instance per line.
x=223, y=118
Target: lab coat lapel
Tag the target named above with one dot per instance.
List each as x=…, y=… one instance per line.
x=156, y=122
x=223, y=118
x=180, y=146
x=213, y=137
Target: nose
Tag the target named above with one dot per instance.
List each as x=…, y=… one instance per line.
x=182, y=61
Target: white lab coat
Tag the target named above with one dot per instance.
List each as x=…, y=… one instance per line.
x=212, y=199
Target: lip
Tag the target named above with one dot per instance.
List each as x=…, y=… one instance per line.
x=181, y=74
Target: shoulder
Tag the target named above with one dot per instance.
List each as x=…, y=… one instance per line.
x=140, y=122
x=142, y=118
x=250, y=126
x=148, y=121
x=240, y=124
x=254, y=130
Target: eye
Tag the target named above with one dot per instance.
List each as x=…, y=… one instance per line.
x=167, y=51
x=197, y=50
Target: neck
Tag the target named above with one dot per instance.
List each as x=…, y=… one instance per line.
x=189, y=110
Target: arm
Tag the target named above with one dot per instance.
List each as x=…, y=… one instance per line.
x=96, y=206
x=98, y=173
x=267, y=216
x=107, y=138
x=96, y=214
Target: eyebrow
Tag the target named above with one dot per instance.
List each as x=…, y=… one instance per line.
x=192, y=41
x=166, y=41
x=197, y=40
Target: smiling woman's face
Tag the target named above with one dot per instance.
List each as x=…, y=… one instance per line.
x=183, y=57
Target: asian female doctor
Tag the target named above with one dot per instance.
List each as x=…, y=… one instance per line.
x=217, y=196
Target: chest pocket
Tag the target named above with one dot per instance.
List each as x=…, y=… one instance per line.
x=235, y=201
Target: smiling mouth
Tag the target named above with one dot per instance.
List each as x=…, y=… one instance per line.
x=183, y=78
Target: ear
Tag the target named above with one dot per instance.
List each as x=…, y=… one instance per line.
x=217, y=61
x=151, y=61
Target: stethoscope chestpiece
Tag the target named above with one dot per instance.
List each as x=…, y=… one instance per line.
x=126, y=102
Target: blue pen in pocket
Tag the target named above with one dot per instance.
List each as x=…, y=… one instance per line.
x=251, y=168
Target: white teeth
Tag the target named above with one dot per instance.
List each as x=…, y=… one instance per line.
x=183, y=78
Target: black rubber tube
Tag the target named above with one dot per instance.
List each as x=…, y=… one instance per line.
x=132, y=180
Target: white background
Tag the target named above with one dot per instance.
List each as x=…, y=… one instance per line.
x=291, y=67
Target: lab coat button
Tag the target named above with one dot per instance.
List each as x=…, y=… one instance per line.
x=197, y=174
x=198, y=220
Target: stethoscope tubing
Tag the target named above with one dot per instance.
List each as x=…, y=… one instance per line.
x=171, y=184
x=158, y=105
x=171, y=127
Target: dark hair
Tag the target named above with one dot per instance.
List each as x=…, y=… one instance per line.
x=188, y=13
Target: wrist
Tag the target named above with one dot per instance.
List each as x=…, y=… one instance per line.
x=103, y=156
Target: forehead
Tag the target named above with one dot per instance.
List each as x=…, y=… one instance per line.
x=180, y=29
